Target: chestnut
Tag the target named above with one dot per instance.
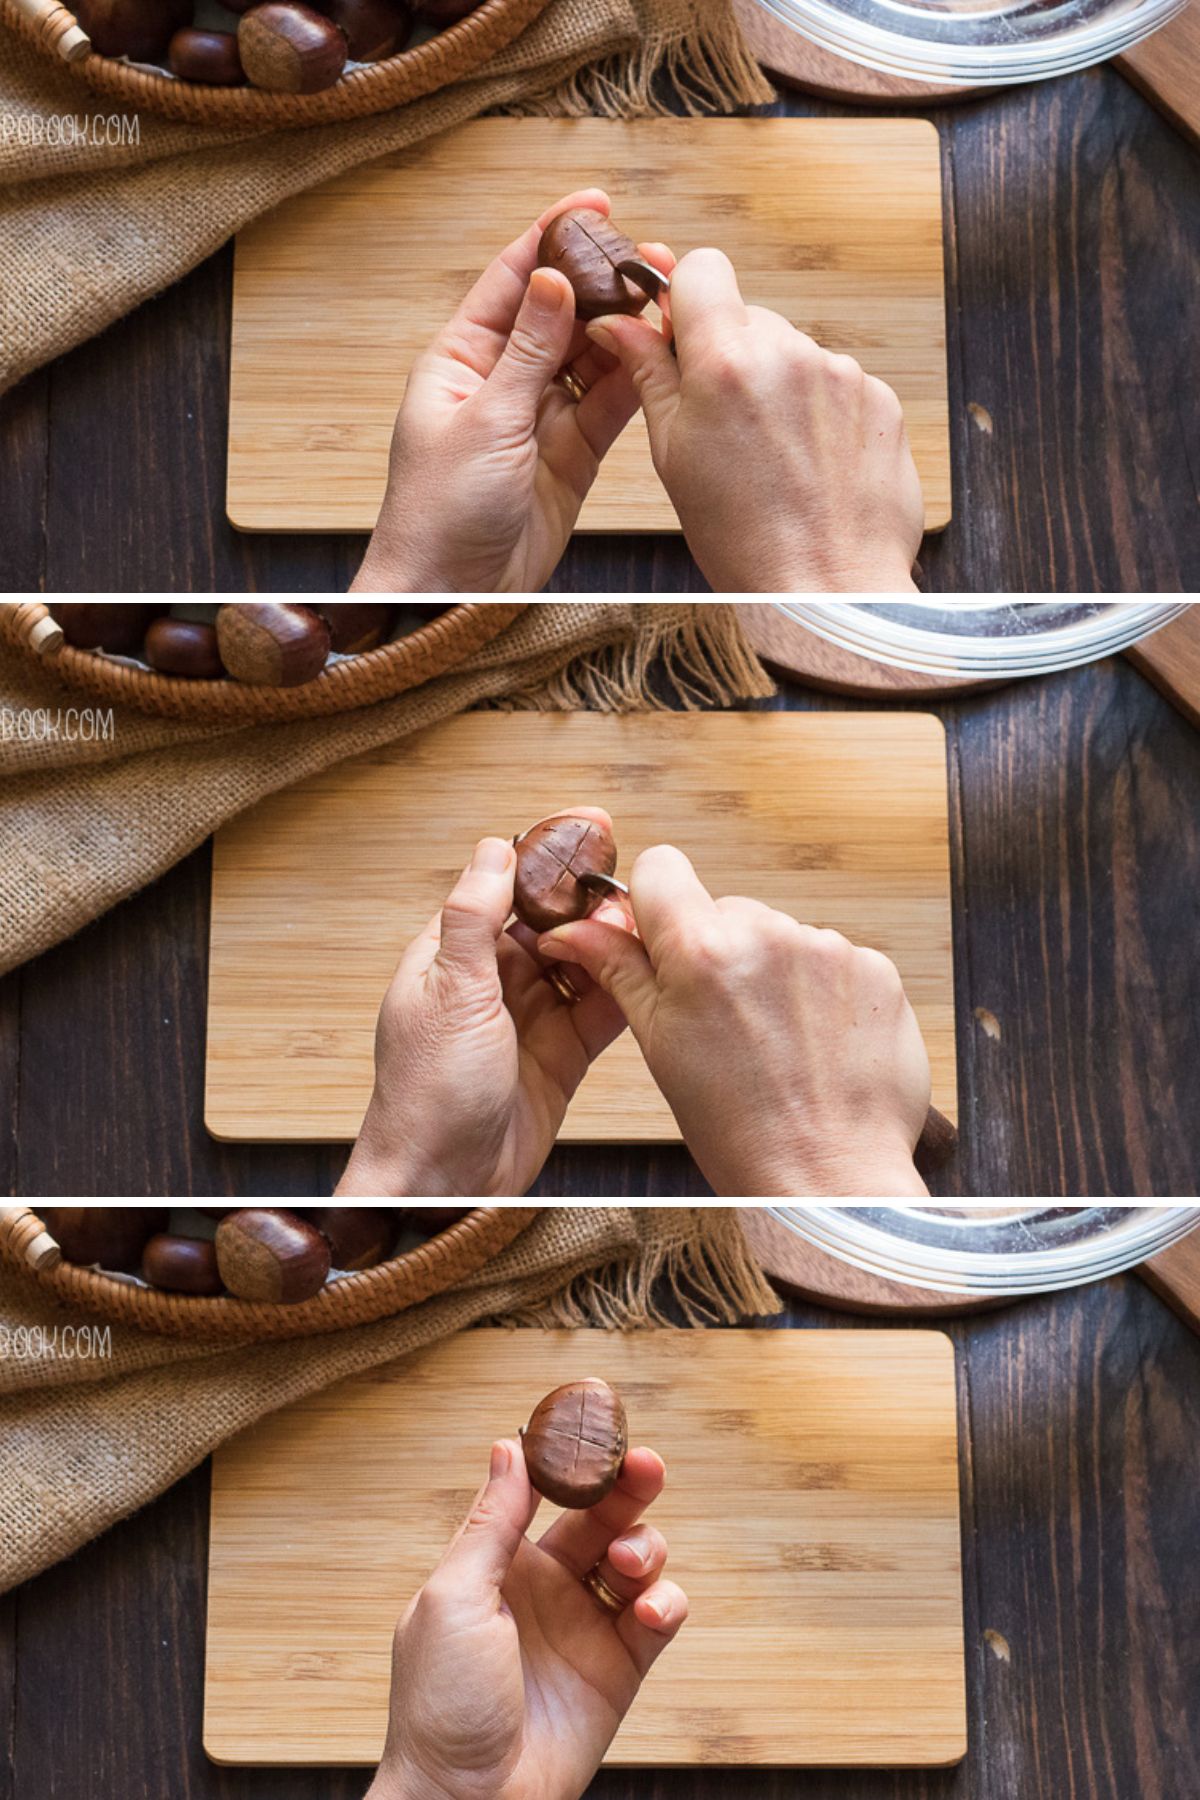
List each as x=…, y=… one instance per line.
x=374, y=28
x=182, y=1265
x=181, y=647
x=358, y=1236
x=265, y=1253
x=551, y=856
x=446, y=12
x=112, y=1236
x=587, y=247
x=275, y=644
x=117, y=628
x=208, y=56
x=138, y=29
x=432, y=1219
x=575, y=1443
x=354, y=628
x=290, y=49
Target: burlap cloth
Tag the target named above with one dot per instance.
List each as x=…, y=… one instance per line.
x=84, y=824
x=86, y=1442
x=92, y=228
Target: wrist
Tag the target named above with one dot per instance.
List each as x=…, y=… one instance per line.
x=380, y=1169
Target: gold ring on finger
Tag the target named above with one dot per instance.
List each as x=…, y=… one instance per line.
x=602, y=1594
x=572, y=383
x=562, y=984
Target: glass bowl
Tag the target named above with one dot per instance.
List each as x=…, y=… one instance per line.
x=980, y=43
x=1005, y=1250
x=978, y=639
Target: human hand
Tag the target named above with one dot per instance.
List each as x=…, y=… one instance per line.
x=790, y=1057
x=491, y=459
x=476, y=1057
x=789, y=467
x=508, y=1679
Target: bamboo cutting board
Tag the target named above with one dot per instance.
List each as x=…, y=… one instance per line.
x=811, y=1510
x=835, y=222
x=838, y=818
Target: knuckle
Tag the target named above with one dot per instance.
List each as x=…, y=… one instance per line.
x=884, y=399
x=844, y=371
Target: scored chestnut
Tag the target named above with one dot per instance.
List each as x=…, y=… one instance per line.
x=374, y=28
x=271, y=643
x=288, y=48
x=267, y=1253
x=575, y=1443
x=358, y=1236
x=183, y=647
x=354, y=628
x=551, y=856
x=587, y=247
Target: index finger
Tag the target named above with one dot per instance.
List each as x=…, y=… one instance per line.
x=480, y=328
x=667, y=895
x=705, y=297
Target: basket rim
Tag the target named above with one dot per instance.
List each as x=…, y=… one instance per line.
x=447, y=56
x=357, y=1298
x=438, y=644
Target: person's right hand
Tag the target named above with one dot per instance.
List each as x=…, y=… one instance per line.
x=790, y=1057
x=789, y=467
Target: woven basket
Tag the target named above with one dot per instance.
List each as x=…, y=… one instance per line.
x=359, y=1299
x=369, y=88
x=422, y=655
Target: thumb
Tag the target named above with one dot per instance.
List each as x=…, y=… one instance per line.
x=615, y=959
x=538, y=345
x=475, y=913
x=479, y=1558
x=645, y=355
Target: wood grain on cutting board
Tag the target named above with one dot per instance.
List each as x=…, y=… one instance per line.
x=835, y=222
x=811, y=1509
x=838, y=818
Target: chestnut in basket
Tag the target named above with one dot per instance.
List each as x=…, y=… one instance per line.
x=354, y=628
x=183, y=647
x=359, y=1237
x=290, y=49
x=276, y=644
x=551, y=856
x=575, y=1443
x=112, y=1236
x=446, y=12
x=265, y=1253
x=119, y=629
x=587, y=247
x=211, y=57
x=374, y=28
x=433, y=1219
x=138, y=29
x=181, y=1265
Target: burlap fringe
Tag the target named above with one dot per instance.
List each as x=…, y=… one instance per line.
x=700, y=662
x=704, y=69
x=707, y=1278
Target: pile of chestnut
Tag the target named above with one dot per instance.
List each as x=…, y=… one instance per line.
x=278, y=644
x=253, y=1252
x=282, y=45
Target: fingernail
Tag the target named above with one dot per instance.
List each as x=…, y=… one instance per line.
x=655, y=1609
x=491, y=856
x=636, y=1547
x=600, y=334
x=557, y=952
x=501, y=1461
x=547, y=291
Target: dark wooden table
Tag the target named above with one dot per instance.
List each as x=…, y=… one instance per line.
x=1080, y=1433
x=1075, y=841
x=1073, y=300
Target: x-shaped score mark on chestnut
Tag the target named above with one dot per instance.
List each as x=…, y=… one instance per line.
x=564, y=866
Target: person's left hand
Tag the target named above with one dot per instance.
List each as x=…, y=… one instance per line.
x=508, y=1679
x=476, y=1057
x=491, y=459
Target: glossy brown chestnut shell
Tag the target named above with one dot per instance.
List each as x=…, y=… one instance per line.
x=575, y=1443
